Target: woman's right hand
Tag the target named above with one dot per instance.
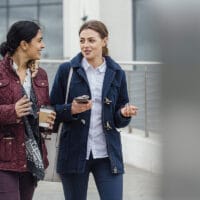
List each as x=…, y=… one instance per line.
x=80, y=107
x=51, y=119
x=23, y=107
x=34, y=66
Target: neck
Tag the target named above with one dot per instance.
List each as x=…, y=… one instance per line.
x=96, y=62
x=20, y=61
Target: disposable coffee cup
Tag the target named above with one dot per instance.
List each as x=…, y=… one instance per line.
x=43, y=115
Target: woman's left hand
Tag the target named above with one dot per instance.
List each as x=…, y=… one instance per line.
x=129, y=110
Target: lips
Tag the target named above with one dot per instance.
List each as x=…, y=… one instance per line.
x=87, y=52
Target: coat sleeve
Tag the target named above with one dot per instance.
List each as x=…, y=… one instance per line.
x=119, y=120
x=58, y=94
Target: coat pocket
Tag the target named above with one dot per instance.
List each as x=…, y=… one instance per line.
x=6, y=148
x=3, y=83
x=42, y=91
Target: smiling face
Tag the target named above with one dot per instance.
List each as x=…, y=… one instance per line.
x=34, y=47
x=91, y=44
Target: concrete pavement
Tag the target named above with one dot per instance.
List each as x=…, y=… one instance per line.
x=138, y=185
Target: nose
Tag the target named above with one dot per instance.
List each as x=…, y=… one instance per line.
x=85, y=44
x=42, y=45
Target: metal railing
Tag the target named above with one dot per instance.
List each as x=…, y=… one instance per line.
x=143, y=80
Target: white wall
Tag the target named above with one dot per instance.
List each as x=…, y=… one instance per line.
x=71, y=24
x=142, y=152
x=117, y=15
x=73, y=11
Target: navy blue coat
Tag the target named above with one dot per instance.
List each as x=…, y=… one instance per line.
x=73, y=140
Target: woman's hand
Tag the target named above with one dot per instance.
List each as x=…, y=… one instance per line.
x=129, y=110
x=34, y=66
x=23, y=107
x=80, y=107
x=51, y=119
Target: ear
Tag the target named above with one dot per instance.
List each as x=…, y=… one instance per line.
x=105, y=41
x=23, y=45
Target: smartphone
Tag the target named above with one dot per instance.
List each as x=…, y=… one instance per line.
x=82, y=99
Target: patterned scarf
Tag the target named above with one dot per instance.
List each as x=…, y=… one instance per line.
x=33, y=140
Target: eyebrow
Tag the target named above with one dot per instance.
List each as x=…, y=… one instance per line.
x=87, y=38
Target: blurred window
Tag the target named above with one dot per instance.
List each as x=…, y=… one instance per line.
x=146, y=42
x=51, y=17
x=3, y=24
x=22, y=2
x=47, y=12
x=50, y=1
x=3, y=2
x=22, y=13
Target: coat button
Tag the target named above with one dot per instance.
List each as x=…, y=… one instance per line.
x=23, y=144
x=83, y=121
x=24, y=166
x=65, y=108
x=18, y=82
x=42, y=83
x=0, y=83
x=115, y=170
x=107, y=101
x=108, y=126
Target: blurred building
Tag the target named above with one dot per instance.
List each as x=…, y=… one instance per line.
x=129, y=22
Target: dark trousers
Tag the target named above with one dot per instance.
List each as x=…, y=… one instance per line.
x=16, y=186
x=109, y=185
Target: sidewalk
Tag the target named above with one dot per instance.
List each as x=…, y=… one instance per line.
x=138, y=185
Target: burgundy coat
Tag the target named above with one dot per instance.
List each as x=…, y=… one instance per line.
x=12, y=147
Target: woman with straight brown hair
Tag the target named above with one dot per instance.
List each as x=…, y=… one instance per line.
x=90, y=141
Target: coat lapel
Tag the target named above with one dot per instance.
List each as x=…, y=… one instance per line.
x=76, y=63
x=82, y=74
x=109, y=76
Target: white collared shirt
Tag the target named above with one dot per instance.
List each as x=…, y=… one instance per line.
x=27, y=80
x=96, y=138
